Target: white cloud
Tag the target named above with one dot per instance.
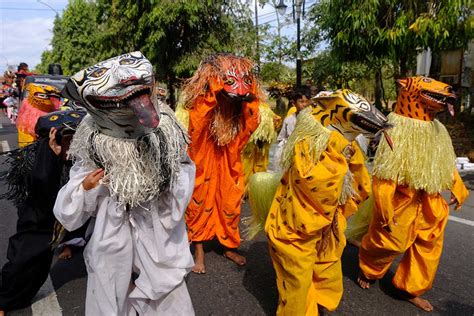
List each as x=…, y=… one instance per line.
x=23, y=40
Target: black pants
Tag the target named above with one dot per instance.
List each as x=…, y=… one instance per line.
x=29, y=257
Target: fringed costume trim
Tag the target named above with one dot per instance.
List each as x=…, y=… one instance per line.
x=136, y=170
x=306, y=128
x=423, y=155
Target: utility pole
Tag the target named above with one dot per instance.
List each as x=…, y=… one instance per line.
x=281, y=7
x=256, y=32
x=298, y=42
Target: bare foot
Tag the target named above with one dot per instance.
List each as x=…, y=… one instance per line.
x=234, y=256
x=363, y=281
x=65, y=254
x=199, y=266
x=421, y=303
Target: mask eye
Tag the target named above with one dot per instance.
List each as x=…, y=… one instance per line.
x=41, y=95
x=427, y=80
x=75, y=115
x=53, y=117
x=99, y=72
x=248, y=81
x=365, y=106
x=127, y=61
x=229, y=81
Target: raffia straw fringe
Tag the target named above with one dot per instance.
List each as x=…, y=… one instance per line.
x=306, y=128
x=348, y=191
x=422, y=158
x=262, y=189
x=182, y=115
x=136, y=170
x=265, y=131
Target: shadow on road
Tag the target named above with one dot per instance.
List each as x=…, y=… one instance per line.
x=65, y=271
x=350, y=269
x=259, y=277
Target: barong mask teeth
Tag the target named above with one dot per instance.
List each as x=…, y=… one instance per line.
x=432, y=95
x=117, y=93
x=351, y=114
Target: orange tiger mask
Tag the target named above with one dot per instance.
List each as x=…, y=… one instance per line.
x=422, y=98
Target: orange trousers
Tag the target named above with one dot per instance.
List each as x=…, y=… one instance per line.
x=416, y=230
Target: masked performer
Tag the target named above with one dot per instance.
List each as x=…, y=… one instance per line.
x=222, y=98
x=37, y=173
x=256, y=153
x=42, y=99
x=133, y=175
x=410, y=215
x=324, y=182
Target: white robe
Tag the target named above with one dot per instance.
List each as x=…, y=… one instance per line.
x=151, y=243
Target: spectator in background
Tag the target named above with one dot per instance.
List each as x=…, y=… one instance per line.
x=21, y=75
x=299, y=100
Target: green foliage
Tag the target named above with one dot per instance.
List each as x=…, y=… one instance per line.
x=74, y=43
x=275, y=72
x=373, y=30
x=327, y=70
x=173, y=34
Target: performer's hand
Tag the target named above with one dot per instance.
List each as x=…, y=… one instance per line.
x=453, y=200
x=92, y=179
x=55, y=147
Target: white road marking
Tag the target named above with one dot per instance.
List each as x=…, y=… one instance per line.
x=47, y=302
x=5, y=146
x=461, y=220
x=1, y=125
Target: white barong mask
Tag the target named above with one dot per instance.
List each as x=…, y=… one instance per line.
x=140, y=153
x=117, y=93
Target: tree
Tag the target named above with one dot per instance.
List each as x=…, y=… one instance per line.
x=326, y=70
x=74, y=42
x=174, y=34
x=276, y=72
x=376, y=31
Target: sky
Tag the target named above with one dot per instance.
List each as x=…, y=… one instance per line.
x=26, y=28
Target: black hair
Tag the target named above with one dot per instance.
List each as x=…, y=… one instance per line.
x=22, y=66
x=298, y=94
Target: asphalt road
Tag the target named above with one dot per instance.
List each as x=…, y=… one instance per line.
x=230, y=290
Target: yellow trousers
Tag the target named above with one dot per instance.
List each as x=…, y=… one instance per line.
x=305, y=230
x=409, y=222
x=307, y=278
x=25, y=139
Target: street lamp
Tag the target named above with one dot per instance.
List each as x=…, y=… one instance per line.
x=281, y=7
x=297, y=4
x=39, y=1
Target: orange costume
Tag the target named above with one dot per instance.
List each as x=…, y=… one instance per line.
x=410, y=214
x=222, y=99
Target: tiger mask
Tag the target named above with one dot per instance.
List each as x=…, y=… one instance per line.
x=117, y=93
x=349, y=113
x=45, y=98
x=422, y=98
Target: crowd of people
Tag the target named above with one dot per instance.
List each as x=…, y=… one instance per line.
x=147, y=183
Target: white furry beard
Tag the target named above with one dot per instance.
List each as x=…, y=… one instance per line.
x=136, y=170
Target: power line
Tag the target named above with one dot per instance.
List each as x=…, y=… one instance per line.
x=27, y=9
